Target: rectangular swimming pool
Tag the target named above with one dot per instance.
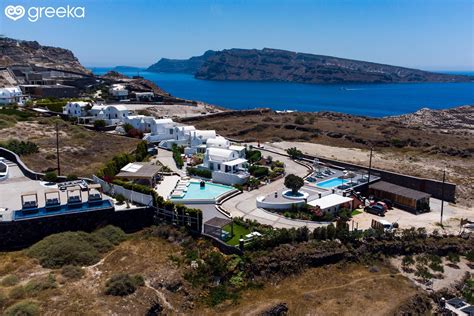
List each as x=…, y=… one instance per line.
x=63, y=209
x=331, y=183
x=210, y=191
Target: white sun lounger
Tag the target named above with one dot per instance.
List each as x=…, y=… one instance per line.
x=177, y=194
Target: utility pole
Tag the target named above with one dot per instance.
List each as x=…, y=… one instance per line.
x=370, y=164
x=57, y=146
x=442, y=196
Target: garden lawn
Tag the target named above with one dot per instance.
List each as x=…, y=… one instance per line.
x=356, y=212
x=238, y=231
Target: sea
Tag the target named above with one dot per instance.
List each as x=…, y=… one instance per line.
x=374, y=100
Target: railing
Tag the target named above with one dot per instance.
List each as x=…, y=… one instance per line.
x=114, y=189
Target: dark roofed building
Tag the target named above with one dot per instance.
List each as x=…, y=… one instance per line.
x=402, y=197
x=143, y=172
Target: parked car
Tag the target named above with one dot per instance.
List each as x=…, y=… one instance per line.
x=387, y=226
x=375, y=209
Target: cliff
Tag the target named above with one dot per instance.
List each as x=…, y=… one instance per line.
x=190, y=66
x=279, y=65
x=18, y=52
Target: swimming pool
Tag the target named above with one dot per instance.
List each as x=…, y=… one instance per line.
x=210, y=191
x=331, y=183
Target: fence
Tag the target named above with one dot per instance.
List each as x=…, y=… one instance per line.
x=114, y=189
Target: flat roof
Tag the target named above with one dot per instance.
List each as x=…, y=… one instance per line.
x=398, y=190
x=218, y=222
x=330, y=201
x=139, y=170
x=235, y=162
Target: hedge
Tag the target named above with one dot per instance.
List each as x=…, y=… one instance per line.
x=203, y=173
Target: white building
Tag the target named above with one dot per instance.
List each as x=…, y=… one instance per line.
x=332, y=203
x=11, y=95
x=111, y=114
x=76, y=108
x=118, y=91
x=227, y=166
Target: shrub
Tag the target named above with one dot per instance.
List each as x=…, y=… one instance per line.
x=300, y=120
x=294, y=153
x=453, y=257
x=408, y=261
x=23, y=308
x=21, y=148
x=203, y=173
x=253, y=155
x=72, y=248
x=71, y=177
x=112, y=233
x=258, y=171
x=17, y=292
x=293, y=182
x=120, y=199
x=98, y=124
x=470, y=256
x=141, y=152
x=50, y=176
x=72, y=272
x=10, y=280
x=33, y=287
x=177, y=151
x=123, y=284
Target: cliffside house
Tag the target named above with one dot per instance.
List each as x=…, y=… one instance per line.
x=118, y=91
x=11, y=95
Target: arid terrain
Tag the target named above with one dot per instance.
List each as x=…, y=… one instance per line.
x=81, y=151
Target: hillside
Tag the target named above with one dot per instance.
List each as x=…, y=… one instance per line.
x=18, y=52
x=279, y=65
x=190, y=65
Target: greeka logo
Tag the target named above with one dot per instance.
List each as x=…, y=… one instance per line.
x=35, y=13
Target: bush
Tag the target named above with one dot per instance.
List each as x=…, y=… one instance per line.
x=253, y=155
x=71, y=177
x=74, y=248
x=36, y=286
x=141, y=152
x=453, y=257
x=177, y=151
x=17, y=292
x=98, y=124
x=300, y=120
x=120, y=199
x=294, y=153
x=21, y=148
x=203, y=173
x=50, y=176
x=259, y=171
x=72, y=272
x=10, y=280
x=123, y=284
x=23, y=308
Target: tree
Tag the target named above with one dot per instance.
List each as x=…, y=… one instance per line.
x=294, y=153
x=331, y=231
x=294, y=183
x=50, y=176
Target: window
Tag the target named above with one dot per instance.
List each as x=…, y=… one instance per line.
x=171, y=131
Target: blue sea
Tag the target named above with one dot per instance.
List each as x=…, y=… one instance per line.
x=376, y=100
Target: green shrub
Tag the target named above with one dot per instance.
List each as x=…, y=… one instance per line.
x=15, y=114
x=408, y=261
x=17, y=292
x=141, y=152
x=177, y=151
x=21, y=148
x=3, y=299
x=112, y=233
x=120, y=199
x=253, y=155
x=470, y=256
x=72, y=272
x=36, y=286
x=23, y=308
x=123, y=284
x=203, y=173
x=71, y=177
x=294, y=153
x=98, y=124
x=453, y=257
x=73, y=248
x=259, y=171
x=10, y=280
x=50, y=176
x=293, y=182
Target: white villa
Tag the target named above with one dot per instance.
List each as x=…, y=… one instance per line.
x=226, y=161
x=11, y=95
x=118, y=91
x=76, y=108
x=111, y=114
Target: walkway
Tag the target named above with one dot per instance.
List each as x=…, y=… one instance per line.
x=166, y=158
x=245, y=205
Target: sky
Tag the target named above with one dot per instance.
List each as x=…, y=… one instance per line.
x=425, y=34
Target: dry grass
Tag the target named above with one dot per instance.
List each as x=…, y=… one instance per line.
x=81, y=151
x=348, y=289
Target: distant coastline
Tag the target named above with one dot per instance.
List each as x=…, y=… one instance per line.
x=377, y=100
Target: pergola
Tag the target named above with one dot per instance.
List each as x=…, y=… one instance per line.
x=214, y=226
x=140, y=171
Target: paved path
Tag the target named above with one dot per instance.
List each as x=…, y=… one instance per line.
x=245, y=205
x=166, y=158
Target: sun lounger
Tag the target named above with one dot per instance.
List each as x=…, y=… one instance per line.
x=177, y=194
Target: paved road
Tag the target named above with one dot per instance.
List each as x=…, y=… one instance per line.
x=245, y=205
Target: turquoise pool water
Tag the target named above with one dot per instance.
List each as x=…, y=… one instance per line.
x=209, y=192
x=331, y=183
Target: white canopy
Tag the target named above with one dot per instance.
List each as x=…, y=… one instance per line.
x=235, y=162
x=329, y=201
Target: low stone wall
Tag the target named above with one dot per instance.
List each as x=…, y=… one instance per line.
x=9, y=155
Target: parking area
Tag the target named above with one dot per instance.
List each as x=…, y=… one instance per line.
x=452, y=215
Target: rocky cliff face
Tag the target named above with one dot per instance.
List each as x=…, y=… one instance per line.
x=18, y=52
x=190, y=66
x=279, y=65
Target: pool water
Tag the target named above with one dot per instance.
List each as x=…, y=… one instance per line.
x=63, y=209
x=209, y=192
x=331, y=183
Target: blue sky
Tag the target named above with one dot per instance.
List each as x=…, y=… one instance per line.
x=427, y=34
